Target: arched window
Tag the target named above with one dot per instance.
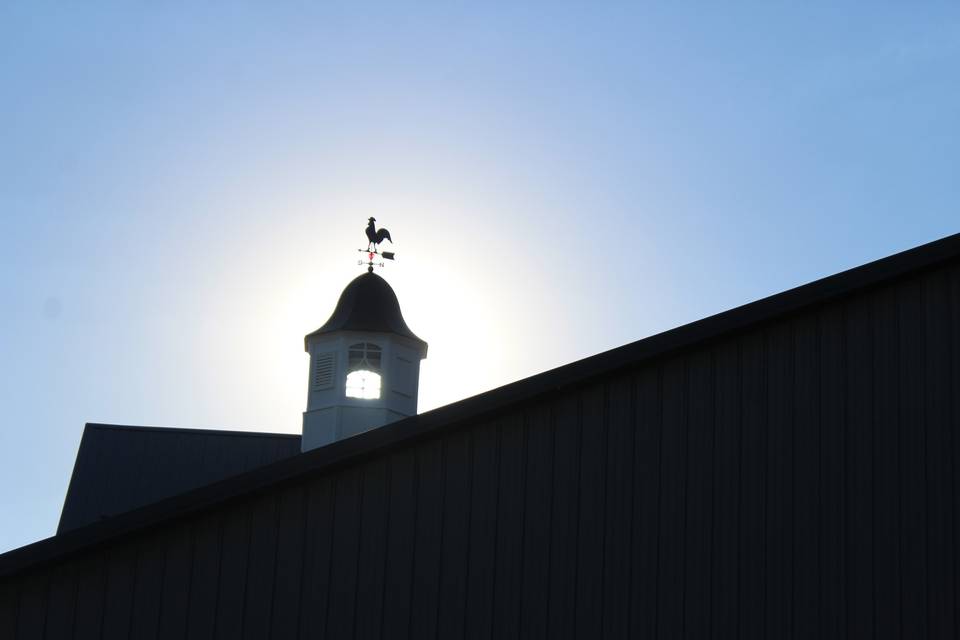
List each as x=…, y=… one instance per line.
x=363, y=371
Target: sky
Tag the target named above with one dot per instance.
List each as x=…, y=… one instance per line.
x=184, y=186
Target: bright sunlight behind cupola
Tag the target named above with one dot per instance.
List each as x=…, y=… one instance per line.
x=363, y=384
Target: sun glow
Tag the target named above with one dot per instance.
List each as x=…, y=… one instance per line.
x=363, y=384
x=463, y=310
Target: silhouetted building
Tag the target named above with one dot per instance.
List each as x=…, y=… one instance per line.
x=784, y=469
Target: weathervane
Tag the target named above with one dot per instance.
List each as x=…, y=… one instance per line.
x=374, y=238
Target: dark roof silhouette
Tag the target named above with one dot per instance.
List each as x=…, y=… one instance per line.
x=157, y=463
x=496, y=402
x=368, y=303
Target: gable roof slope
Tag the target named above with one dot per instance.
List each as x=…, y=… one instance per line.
x=156, y=463
x=355, y=449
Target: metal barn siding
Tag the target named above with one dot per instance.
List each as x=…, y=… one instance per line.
x=796, y=479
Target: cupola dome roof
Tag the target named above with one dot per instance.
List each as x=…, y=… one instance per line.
x=368, y=303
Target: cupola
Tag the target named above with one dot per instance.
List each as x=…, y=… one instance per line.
x=364, y=365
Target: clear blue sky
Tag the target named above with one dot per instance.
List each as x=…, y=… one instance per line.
x=183, y=187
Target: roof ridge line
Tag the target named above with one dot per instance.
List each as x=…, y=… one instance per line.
x=199, y=430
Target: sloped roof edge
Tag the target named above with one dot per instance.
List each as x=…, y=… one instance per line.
x=191, y=430
x=471, y=409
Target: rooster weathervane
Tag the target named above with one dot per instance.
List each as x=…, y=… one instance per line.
x=374, y=238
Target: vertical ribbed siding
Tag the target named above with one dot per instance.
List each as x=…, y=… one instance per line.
x=939, y=390
x=798, y=480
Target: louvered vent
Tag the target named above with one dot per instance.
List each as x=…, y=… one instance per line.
x=323, y=366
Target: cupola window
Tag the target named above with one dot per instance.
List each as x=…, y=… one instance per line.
x=363, y=371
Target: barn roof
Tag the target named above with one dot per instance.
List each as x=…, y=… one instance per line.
x=429, y=424
x=157, y=463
